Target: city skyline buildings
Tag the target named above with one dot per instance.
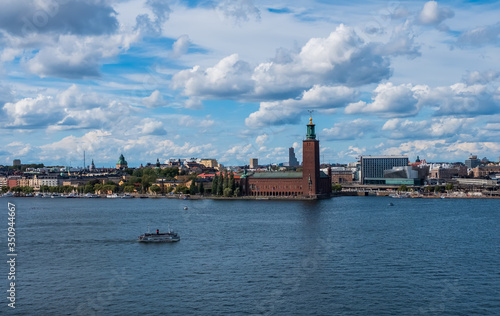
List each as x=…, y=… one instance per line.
x=403, y=78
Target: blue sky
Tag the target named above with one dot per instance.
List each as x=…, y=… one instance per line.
x=234, y=80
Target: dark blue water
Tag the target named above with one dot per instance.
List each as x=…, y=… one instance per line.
x=345, y=256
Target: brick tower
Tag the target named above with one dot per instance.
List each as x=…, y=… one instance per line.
x=310, y=161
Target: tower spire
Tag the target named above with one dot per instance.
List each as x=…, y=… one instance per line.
x=311, y=133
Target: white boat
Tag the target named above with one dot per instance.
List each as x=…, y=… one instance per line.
x=8, y=194
x=169, y=236
x=56, y=196
x=112, y=196
x=47, y=195
x=127, y=196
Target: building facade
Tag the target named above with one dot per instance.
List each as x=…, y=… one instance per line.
x=372, y=167
x=292, y=160
x=310, y=183
x=472, y=162
x=254, y=163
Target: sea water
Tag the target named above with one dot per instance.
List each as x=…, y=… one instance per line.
x=343, y=256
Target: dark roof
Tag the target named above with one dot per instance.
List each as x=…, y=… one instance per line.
x=277, y=175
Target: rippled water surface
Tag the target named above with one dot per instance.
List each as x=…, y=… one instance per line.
x=344, y=256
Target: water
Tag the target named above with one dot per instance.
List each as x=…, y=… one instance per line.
x=344, y=256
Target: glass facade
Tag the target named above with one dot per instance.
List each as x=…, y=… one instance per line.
x=374, y=166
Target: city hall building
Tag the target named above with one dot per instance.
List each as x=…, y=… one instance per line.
x=310, y=183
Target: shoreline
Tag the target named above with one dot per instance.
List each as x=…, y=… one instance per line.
x=287, y=198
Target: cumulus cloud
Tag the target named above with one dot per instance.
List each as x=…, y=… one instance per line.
x=80, y=17
x=75, y=57
x=348, y=130
x=230, y=77
x=463, y=99
x=289, y=111
x=68, y=109
x=340, y=59
x=481, y=77
x=152, y=127
x=390, y=100
x=434, y=15
x=154, y=100
x=35, y=112
x=434, y=128
x=432, y=149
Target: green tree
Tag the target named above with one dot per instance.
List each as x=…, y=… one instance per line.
x=192, y=188
x=237, y=192
x=403, y=188
x=17, y=189
x=220, y=189
x=89, y=188
x=201, y=189
x=227, y=192
x=155, y=189
x=215, y=185
x=181, y=189
x=170, y=189
x=226, y=181
x=28, y=190
x=5, y=189
x=231, y=182
x=448, y=187
x=437, y=188
x=336, y=188
x=128, y=188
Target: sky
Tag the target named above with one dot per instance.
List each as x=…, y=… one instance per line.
x=236, y=79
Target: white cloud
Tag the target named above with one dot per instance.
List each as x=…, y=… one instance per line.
x=238, y=11
x=154, y=100
x=152, y=127
x=433, y=15
x=180, y=46
x=480, y=36
x=289, y=111
x=390, y=100
x=434, y=128
x=339, y=59
x=261, y=139
x=355, y=129
x=230, y=77
x=76, y=57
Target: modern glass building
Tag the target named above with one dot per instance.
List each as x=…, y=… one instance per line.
x=372, y=167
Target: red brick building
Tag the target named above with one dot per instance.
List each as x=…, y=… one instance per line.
x=310, y=183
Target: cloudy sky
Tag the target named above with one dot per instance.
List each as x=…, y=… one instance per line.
x=234, y=79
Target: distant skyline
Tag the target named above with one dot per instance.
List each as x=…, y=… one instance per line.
x=234, y=80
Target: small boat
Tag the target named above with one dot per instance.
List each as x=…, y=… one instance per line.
x=8, y=194
x=185, y=207
x=56, y=196
x=127, y=196
x=391, y=204
x=169, y=236
x=112, y=196
x=39, y=195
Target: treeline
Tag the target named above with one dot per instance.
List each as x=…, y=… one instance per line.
x=224, y=185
